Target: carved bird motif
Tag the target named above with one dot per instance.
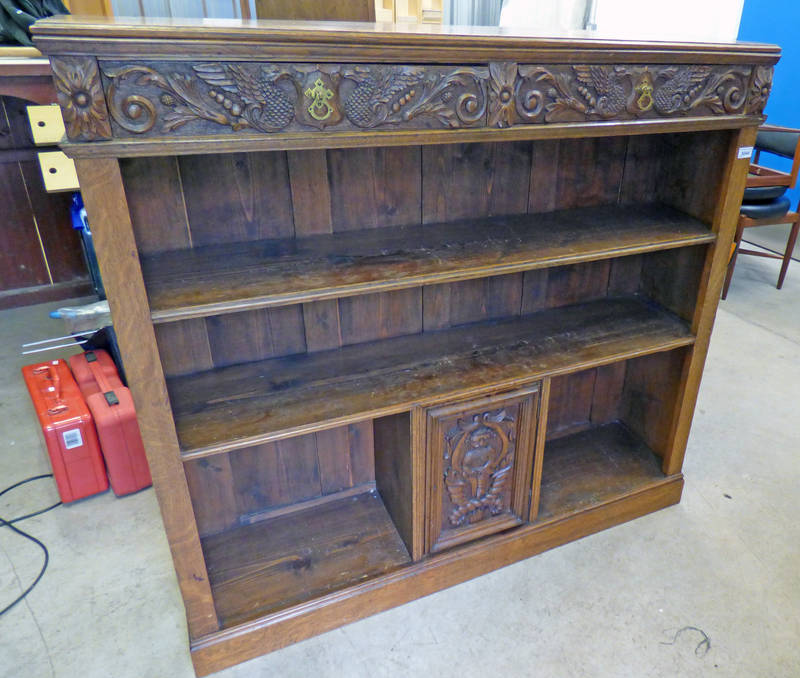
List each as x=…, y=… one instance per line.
x=380, y=94
x=680, y=88
x=501, y=487
x=251, y=94
x=602, y=87
x=457, y=488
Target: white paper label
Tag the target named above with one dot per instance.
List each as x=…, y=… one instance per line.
x=745, y=152
x=72, y=438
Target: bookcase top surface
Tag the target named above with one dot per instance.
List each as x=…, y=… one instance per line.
x=128, y=34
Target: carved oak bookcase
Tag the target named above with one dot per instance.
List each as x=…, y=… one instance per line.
x=399, y=308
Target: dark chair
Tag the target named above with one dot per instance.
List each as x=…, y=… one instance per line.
x=764, y=202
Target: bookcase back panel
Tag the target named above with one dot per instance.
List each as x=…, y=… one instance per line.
x=196, y=200
x=652, y=385
x=237, y=197
x=462, y=181
x=245, y=485
x=692, y=172
x=583, y=173
x=639, y=392
x=202, y=343
x=672, y=278
x=154, y=190
x=374, y=187
x=585, y=399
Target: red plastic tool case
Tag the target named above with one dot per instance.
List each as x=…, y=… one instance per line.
x=68, y=430
x=114, y=415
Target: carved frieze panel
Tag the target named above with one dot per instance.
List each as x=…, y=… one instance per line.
x=80, y=95
x=480, y=456
x=760, y=87
x=177, y=98
x=127, y=99
x=527, y=93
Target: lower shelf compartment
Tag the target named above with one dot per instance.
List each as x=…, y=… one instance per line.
x=594, y=467
x=267, y=566
x=274, y=631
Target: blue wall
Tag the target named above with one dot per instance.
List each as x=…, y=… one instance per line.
x=778, y=21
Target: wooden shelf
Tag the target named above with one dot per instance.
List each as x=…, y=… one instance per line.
x=594, y=467
x=267, y=273
x=241, y=405
x=270, y=565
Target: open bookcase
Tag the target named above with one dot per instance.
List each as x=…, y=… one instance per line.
x=392, y=346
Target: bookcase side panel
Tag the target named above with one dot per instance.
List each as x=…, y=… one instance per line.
x=726, y=202
x=107, y=210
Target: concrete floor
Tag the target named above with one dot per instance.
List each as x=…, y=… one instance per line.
x=774, y=238
x=722, y=565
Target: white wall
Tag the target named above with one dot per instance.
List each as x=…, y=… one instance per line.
x=678, y=20
x=545, y=17
x=683, y=20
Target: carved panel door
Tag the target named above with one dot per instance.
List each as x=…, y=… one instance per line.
x=479, y=463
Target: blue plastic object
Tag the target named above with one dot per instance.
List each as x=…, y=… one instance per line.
x=78, y=213
x=81, y=224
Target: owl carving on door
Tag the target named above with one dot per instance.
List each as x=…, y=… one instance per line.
x=478, y=462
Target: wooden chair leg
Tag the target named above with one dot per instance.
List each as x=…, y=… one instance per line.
x=737, y=239
x=787, y=255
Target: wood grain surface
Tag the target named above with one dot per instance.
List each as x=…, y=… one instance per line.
x=354, y=41
x=104, y=197
x=240, y=405
x=593, y=467
x=252, y=483
x=479, y=458
x=276, y=563
x=267, y=273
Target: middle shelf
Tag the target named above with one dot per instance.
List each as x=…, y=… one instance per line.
x=241, y=405
x=219, y=278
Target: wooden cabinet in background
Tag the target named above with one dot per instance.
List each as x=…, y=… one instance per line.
x=400, y=307
x=40, y=254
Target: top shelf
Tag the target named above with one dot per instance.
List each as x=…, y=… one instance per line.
x=331, y=39
x=267, y=273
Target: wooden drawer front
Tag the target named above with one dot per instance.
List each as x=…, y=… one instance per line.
x=559, y=93
x=479, y=461
x=191, y=98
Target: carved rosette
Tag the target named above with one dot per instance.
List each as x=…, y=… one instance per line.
x=80, y=96
x=502, y=90
x=478, y=462
x=760, y=88
x=164, y=98
x=582, y=93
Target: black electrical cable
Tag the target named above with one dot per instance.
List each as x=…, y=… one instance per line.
x=27, y=480
x=31, y=515
x=22, y=533
x=35, y=513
